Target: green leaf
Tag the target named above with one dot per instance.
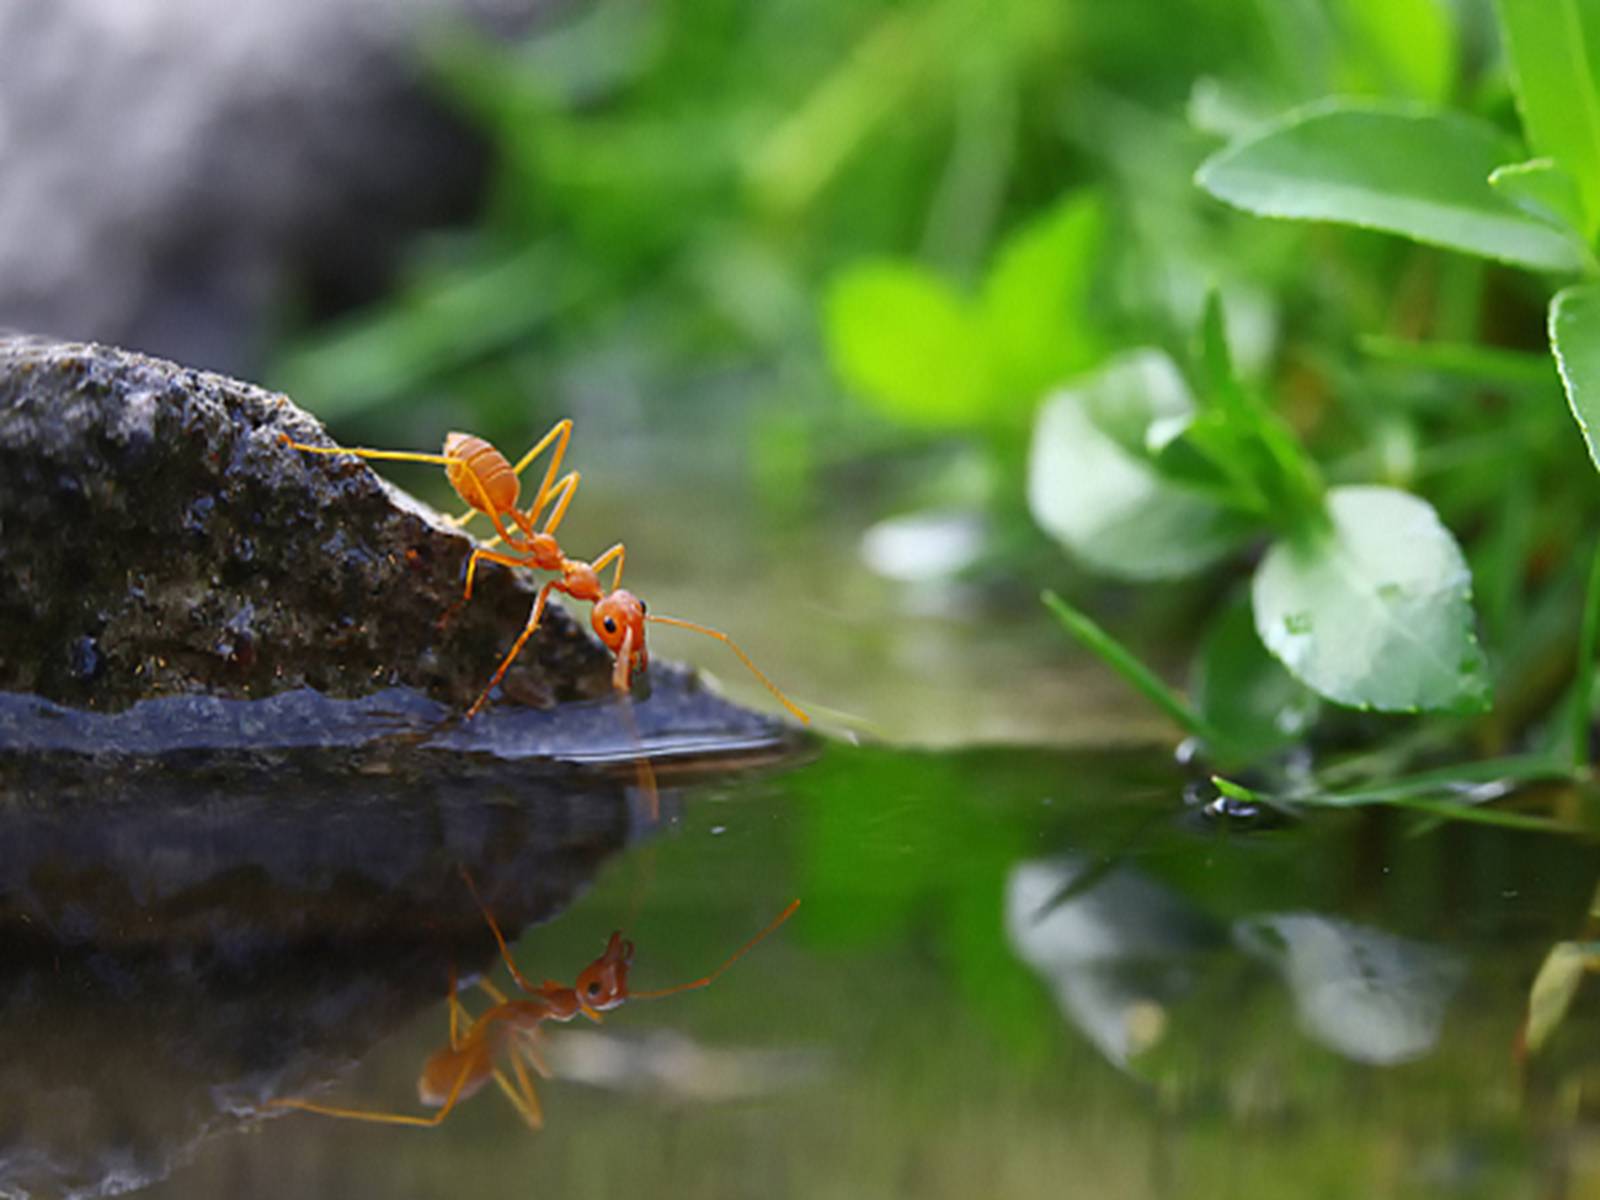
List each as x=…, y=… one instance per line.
x=1575, y=341
x=909, y=345
x=1417, y=172
x=1400, y=46
x=1092, y=486
x=1375, y=611
x=1244, y=692
x=1553, y=45
x=1540, y=188
x=1037, y=300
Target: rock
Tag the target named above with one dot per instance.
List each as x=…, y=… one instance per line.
x=175, y=175
x=158, y=538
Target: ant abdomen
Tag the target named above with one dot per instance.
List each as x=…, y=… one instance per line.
x=480, y=474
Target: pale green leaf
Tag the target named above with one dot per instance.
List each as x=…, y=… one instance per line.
x=1553, y=46
x=1091, y=488
x=1416, y=172
x=1575, y=341
x=1375, y=611
x=906, y=343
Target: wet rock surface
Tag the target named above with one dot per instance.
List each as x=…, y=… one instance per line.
x=158, y=538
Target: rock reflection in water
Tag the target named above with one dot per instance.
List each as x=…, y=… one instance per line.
x=185, y=935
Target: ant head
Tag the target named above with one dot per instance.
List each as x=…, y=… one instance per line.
x=618, y=620
x=603, y=984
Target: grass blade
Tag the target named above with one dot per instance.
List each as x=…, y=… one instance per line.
x=1138, y=676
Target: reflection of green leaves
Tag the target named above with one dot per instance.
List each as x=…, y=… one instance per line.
x=1093, y=487
x=1554, y=988
x=1553, y=46
x=1418, y=173
x=873, y=872
x=926, y=355
x=1375, y=611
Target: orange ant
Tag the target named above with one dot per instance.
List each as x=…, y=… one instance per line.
x=489, y=485
x=462, y=1068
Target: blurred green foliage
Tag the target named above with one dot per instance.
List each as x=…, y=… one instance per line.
x=1016, y=248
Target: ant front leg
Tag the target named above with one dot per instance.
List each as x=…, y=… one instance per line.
x=478, y=552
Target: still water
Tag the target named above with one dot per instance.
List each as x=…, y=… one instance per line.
x=1013, y=973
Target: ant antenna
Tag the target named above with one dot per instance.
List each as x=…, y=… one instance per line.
x=706, y=980
x=798, y=712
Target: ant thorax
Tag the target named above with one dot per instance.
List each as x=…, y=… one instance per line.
x=543, y=551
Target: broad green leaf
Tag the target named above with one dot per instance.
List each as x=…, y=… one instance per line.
x=909, y=345
x=1553, y=46
x=1375, y=611
x=1416, y=172
x=1541, y=188
x=1405, y=47
x=1575, y=341
x=1091, y=488
x=1244, y=692
x=1037, y=300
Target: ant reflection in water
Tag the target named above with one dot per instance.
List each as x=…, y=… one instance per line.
x=511, y=1029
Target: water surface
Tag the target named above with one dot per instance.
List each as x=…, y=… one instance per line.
x=1011, y=970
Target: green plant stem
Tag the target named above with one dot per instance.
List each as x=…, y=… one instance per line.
x=1583, y=681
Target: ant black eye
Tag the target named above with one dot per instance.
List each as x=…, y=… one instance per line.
x=611, y=625
x=594, y=989
x=643, y=607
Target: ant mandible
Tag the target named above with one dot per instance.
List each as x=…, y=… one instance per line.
x=490, y=486
x=461, y=1069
